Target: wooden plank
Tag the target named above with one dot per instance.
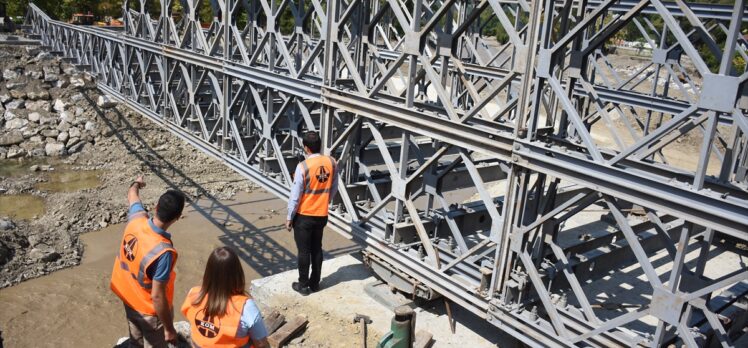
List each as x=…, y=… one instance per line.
x=273, y=321
x=288, y=331
x=424, y=339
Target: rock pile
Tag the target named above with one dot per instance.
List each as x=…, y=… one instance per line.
x=52, y=113
x=42, y=102
x=26, y=252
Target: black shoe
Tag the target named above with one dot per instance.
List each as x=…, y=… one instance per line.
x=313, y=288
x=303, y=290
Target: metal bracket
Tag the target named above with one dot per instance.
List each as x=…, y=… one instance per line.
x=718, y=92
x=659, y=56
x=666, y=306
x=412, y=43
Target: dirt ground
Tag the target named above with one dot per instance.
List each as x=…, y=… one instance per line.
x=53, y=310
x=45, y=303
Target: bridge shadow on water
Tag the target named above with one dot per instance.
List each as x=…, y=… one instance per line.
x=253, y=244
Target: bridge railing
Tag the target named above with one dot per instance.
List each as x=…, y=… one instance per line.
x=495, y=152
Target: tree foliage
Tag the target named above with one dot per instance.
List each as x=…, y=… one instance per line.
x=64, y=9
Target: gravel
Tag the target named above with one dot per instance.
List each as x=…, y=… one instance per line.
x=58, y=116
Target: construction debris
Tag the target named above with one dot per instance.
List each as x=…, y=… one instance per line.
x=286, y=332
x=273, y=321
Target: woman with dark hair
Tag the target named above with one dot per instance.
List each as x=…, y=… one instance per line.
x=220, y=312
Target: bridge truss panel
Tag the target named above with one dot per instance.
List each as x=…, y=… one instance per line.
x=500, y=153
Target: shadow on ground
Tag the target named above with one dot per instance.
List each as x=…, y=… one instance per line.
x=248, y=238
x=357, y=271
x=240, y=233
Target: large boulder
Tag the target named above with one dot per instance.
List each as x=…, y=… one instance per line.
x=39, y=105
x=67, y=116
x=63, y=137
x=15, y=104
x=11, y=138
x=74, y=132
x=9, y=74
x=72, y=142
x=68, y=69
x=37, y=152
x=16, y=123
x=51, y=73
x=15, y=152
x=40, y=94
x=43, y=254
x=63, y=126
x=6, y=224
x=10, y=114
x=29, y=132
x=59, y=105
x=106, y=102
x=75, y=98
x=77, y=81
x=50, y=133
x=34, y=117
x=48, y=119
x=62, y=83
x=18, y=94
x=54, y=149
x=15, y=84
x=76, y=146
x=80, y=121
x=34, y=74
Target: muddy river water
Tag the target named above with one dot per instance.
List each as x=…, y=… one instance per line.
x=75, y=308
x=59, y=177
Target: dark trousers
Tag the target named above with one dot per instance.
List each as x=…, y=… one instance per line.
x=145, y=330
x=307, y=232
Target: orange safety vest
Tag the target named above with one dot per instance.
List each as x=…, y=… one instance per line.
x=214, y=332
x=139, y=248
x=319, y=172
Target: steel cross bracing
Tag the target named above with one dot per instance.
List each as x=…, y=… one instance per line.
x=538, y=177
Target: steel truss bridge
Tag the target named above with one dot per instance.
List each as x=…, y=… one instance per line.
x=505, y=154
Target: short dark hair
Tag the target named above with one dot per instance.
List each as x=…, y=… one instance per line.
x=312, y=141
x=170, y=206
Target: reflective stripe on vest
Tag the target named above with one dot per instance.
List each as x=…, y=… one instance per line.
x=214, y=332
x=144, y=263
x=319, y=175
x=139, y=248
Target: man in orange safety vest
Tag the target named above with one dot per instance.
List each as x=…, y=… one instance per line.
x=143, y=273
x=315, y=184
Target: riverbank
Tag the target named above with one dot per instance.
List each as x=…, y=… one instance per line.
x=53, y=310
x=66, y=155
